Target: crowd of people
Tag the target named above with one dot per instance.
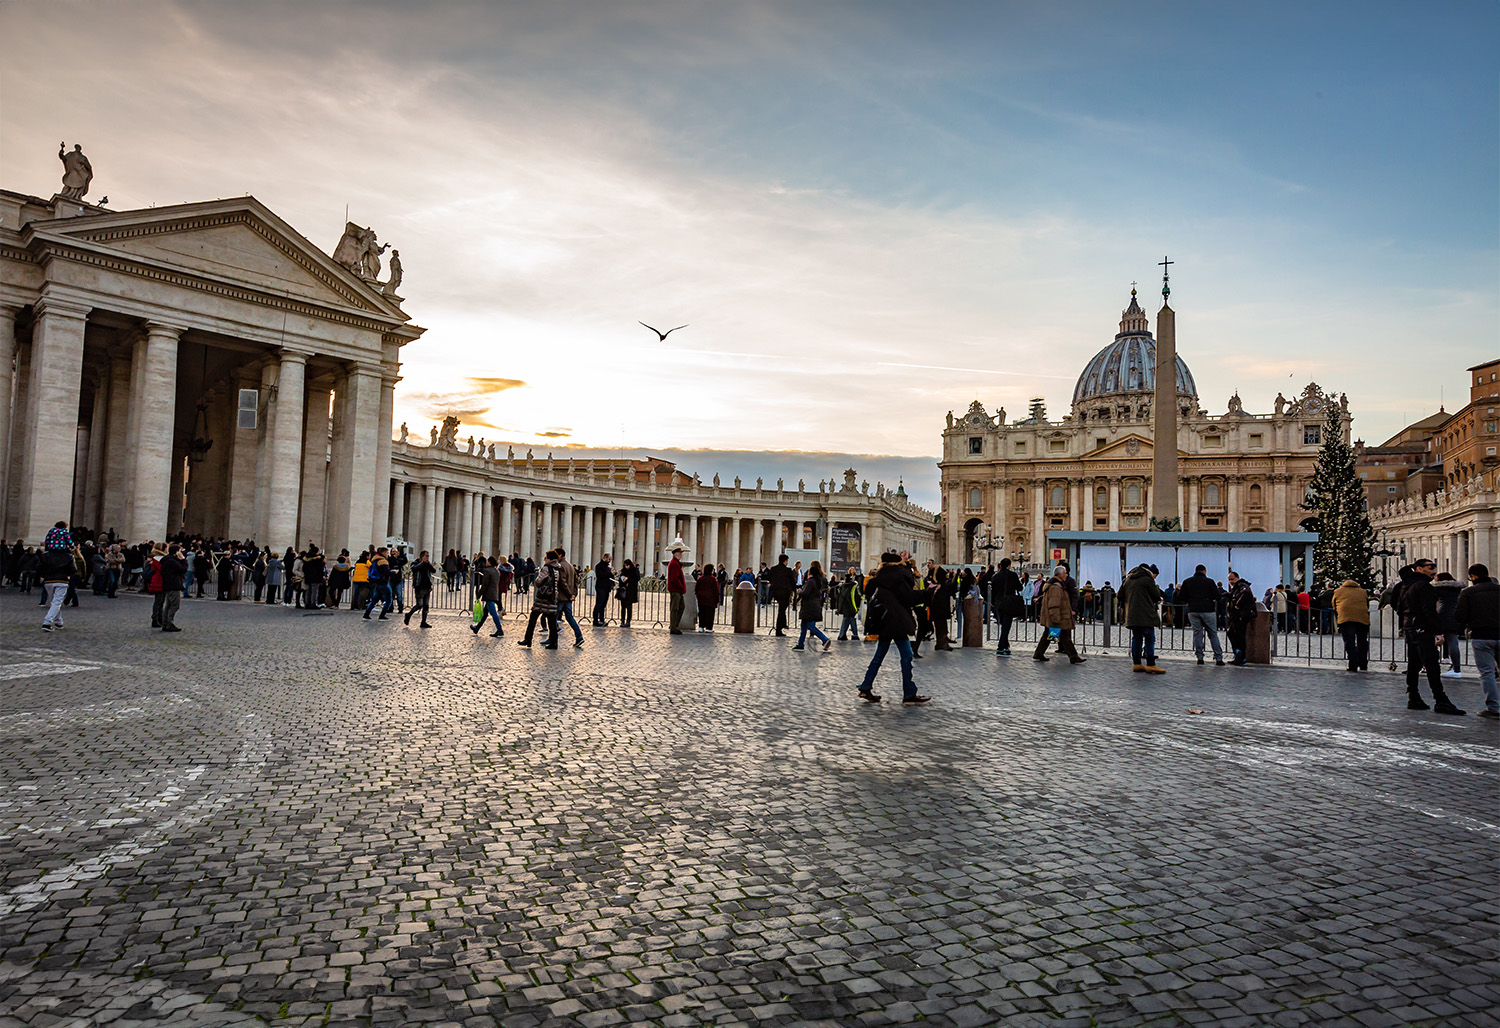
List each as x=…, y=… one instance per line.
x=897, y=604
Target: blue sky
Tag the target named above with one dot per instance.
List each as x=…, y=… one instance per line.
x=822, y=192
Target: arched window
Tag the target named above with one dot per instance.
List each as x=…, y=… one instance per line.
x=974, y=497
x=1020, y=498
x=1057, y=497
x=1132, y=495
x=1101, y=498
x=1211, y=495
x=1256, y=495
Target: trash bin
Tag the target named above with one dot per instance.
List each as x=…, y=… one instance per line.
x=1258, y=638
x=744, y=609
x=973, y=622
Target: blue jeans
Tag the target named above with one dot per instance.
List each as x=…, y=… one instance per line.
x=903, y=647
x=398, y=594
x=810, y=626
x=491, y=610
x=1208, y=623
x=1005, y=623
x=381, y=592
x=850, y=625
x=1143, y=646
x=565, y=610
x=1485, y=653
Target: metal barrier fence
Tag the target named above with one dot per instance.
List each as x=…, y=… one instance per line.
x=1306, y=637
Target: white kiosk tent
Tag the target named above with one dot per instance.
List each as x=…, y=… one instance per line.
x=1262, y=558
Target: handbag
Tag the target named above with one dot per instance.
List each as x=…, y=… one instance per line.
x=478, y=610
x=1053, y=633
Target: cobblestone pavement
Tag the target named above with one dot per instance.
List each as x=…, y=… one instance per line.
x=306, y=819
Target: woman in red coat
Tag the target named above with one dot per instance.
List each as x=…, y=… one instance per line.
x=707, y=592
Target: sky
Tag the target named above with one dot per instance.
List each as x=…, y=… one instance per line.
x=866, y=214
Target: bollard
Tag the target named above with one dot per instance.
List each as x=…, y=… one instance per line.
x=973, y=622
x=1258, y=638
x=744, y=609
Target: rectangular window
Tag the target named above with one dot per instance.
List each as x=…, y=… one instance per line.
x=1489, y=451
x=1390, y=488
x=1213, y=440
x=1020, y=446
x=249, y=408
x=1312, y=435
x=1489, y=426
x=976, y=444
x=1257, y=439
x=1364, y=474
x=1058, y=445
x=1211, y=522
x=1390, y=474
x=1099, y=444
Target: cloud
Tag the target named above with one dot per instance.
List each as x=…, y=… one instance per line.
x=496, y=385
x=554, y=433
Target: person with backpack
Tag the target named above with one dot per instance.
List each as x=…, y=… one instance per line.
x=1239, y=615
x=55, y=569
x=380, y=585
x=544, y=602
x=849, y=596
x=1417, y=603
x=810, y=605
x=891, y=594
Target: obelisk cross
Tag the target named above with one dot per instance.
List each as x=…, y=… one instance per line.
x=1166, y=276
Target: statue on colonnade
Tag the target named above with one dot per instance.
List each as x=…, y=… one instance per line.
x=77, y=171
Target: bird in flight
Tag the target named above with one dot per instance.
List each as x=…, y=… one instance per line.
x=659, y=333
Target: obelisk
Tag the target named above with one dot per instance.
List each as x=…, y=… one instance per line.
x=1164, y=479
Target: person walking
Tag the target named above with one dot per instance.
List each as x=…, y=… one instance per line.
x=1479, y=612
x=380, y=586
x=421, y=571
x=314, y=570
x=567, y=589
x=707, y=590
x=1199, y=597
x=1419, y=620
x=849, y=596
x=173, y=573
x=1005, y=598
x=1447, y=590
x=1055, y=614
x=487, y=579
x=676, y=591
x=891, y=593
x=544, y=603
x=780, y=582
x=338, y=579
x=1351, y=612
x=810, y=605
x=1142, y=602
x=628, y=590
x=55, y=569
x=152, y=583
x=451, y=565
x=604, y=584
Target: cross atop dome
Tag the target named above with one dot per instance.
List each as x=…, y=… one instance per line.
x=1133, y=320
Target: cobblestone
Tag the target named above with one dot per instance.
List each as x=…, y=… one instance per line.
x=287, y=819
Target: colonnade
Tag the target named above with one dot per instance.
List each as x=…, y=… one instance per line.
x=442, y=518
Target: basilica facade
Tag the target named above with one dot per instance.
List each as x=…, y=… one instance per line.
x=1007, y=483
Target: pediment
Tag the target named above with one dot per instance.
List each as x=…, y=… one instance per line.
x=238, y=241
x=1131, y=447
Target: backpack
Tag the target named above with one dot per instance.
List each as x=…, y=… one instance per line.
x=546, y=588
x=373, y=572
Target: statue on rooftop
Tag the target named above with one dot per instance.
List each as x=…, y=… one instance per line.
x=77, y=171
x=395, y=279
x=403, y=432
x=434, y=436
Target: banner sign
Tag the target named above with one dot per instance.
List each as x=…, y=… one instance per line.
x=848, y=547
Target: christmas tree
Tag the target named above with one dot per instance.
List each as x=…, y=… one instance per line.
x=1336, y=500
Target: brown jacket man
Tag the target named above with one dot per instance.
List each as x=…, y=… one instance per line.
x=1055, y=610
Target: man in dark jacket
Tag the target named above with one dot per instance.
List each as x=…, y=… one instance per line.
x=892, y=594
x=604, y=584
x=1200, y=596
x=849, y=596
x=781, y=581
x=173, y=571
x=1479, y=612
x=422, y=573
x=1141, y=598
x=1239, y=615
x=487, y=583
x=1419, y=620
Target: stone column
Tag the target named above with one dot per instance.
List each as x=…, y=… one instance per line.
x=1076, y=507
x=586, y=552
x=732, y=543
x=1232, y=503
x=1192, y=486
x=76, y=515
x=528, y=529
x=283, y=501
x=8, y=355
x=609, y=535
x=465, y=522
x=270, y=372
x=692, y=539
x=757, y=543
x=356, y=437
x=1114, y=504
x=152, y=447
x=179, y=484
x=507, y=527
x=1278, y=503
x=93, y=481
x=430, y=541
x=386, y=412
x=46, y=479
x=1039, y=520
x=486, y=524
x=311, y=514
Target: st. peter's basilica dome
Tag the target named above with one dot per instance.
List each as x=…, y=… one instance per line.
x=1127, y=366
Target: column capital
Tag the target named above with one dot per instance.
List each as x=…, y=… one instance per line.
x=293, y=356
x=164, y=328
x=52, y=308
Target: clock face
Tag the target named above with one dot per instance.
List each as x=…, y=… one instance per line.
x=976, y=419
